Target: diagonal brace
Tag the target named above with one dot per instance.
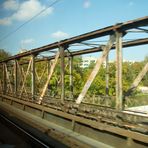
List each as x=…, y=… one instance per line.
x=22, y=75
x=49, y=77
x=25, y=77
x=96, y=69
x=42, y=74
x=137, y=80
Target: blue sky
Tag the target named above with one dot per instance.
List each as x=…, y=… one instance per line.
x=65, y=19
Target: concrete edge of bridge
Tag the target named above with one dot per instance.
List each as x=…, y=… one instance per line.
x=72, y=130
x=64, y=135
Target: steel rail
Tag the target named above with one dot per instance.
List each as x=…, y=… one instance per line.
x=121, y=27
x=25, y=132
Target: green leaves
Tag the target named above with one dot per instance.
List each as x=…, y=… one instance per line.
x=4, y=54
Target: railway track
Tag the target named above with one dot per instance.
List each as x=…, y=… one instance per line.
x=32, y=137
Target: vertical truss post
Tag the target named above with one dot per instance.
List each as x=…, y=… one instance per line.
x=119, y=99
x=15, y=77
x=71, y=76
x=33, y=77
x=107, y=76
x=48, y=67
x=96, y=69
x=62, y=60
x=4, y=79
x=9, y=85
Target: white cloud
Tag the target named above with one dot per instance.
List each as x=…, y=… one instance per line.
x=86, y=4
x=59, y=35
x=131, y=3
x=10, y=5
x=27, y=41
x=26, y=10
x=30, y=8
x=5, y=21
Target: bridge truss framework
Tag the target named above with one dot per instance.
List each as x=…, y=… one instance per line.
x=13, y=87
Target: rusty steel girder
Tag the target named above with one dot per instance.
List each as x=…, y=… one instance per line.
x=121, y=27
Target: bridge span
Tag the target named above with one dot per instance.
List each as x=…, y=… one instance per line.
x=67, y=117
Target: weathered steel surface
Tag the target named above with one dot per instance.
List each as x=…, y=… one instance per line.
x=62, y=64
x=4, y=79
x=137, y=42
x=118, y=71
x=33, y=77
x=71, y=76
x=9, y=85
x=107, y=76
x=15, y=76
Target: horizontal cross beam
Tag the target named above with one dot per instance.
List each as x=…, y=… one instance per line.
x=96, y=49
x=122, y=27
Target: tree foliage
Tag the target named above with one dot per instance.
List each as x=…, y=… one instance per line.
x=130, y=71
x=4, y=54
x=98, y=87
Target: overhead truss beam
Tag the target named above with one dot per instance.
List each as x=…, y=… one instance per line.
x=122, y=27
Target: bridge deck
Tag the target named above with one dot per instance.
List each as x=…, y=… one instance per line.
x=80, y=128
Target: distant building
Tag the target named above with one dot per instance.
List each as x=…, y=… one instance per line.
x=128, y=61
x=143, y=89
x=86, y=61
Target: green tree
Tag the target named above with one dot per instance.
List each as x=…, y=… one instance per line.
x=145, y=79
x=4, y=54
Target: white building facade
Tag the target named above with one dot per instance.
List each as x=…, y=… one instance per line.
x=86, y=61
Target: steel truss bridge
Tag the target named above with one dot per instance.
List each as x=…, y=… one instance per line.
x=66, y=118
